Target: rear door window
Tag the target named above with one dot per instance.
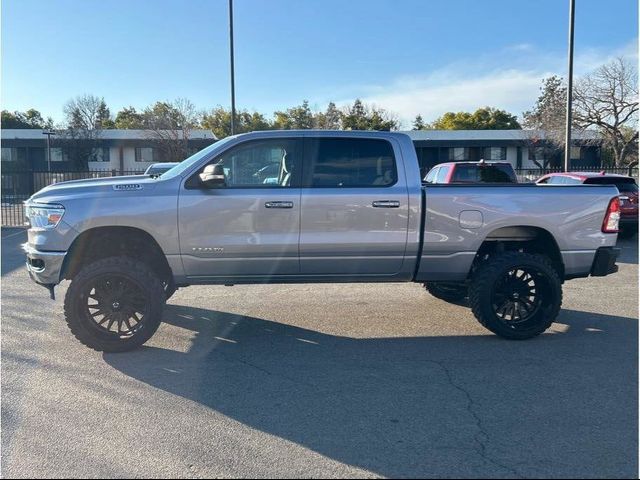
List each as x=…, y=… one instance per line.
x=350, y=162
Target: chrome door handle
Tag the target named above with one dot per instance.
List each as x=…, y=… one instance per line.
x=278, y=204
x=386, y=204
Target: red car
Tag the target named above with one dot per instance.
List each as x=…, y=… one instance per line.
x=627, y=187
x=472, y=172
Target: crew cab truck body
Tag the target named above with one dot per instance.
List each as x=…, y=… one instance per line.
x=344, y=207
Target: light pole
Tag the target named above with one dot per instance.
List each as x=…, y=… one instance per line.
x=233, y=86
x=567, y=148
x=48, y=133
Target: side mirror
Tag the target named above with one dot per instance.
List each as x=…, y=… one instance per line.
x=212, y=176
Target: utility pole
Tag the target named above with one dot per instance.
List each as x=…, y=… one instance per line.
x=233, y=86
x=567, y=148
x=48, y=133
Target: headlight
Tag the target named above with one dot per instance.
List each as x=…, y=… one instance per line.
x=44, y=215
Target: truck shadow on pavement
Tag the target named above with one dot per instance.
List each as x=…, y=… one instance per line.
x=413, y=407
x=12, y=238
x=629, y=250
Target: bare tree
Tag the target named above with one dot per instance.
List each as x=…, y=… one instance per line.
x=85, y=117
x=170, y=125
x=87, y=112
x=607, y=99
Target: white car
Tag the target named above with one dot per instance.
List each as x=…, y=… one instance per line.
x=159, y=168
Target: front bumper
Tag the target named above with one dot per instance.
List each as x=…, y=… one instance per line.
x=604, y=262
x=44, y=267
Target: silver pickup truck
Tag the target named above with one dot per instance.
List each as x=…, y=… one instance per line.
x=312, y=206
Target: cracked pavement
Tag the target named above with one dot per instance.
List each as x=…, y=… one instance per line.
x=332, y=381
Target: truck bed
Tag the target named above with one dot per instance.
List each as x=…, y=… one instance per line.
x=459, y=218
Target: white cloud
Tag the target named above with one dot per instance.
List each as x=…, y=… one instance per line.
x=472, y=83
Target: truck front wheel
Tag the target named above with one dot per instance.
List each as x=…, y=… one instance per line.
x=516, y=295
x=114, y=304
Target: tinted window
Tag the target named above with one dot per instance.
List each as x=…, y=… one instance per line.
x=484, y=174
x=626, y=185
x=351, y=162
x=442, y=175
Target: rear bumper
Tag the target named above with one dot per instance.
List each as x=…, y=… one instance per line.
x=604, y=263
x=44, y=267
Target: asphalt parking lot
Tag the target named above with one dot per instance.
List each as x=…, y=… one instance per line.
x=359, y=380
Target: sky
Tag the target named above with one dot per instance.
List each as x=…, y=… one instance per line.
x=408, y=56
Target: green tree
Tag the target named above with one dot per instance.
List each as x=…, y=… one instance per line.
x=129, y=119
x=485, y=118
x=550, y=109
x=298, y=117
x=330, y=119
x=218, y=121
x=363, y=117
x=30, y=119
x=418, y=123
x=546, y=121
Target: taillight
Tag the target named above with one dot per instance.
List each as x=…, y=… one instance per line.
x=612, y=218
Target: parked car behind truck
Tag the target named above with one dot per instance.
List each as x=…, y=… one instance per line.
x=472, y=172
x=627, y=187
x=343, y=207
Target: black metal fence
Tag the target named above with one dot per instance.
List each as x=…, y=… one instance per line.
x=18, y=186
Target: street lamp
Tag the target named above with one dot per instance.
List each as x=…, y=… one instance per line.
x=567, y=148
x=48, y=133
x=233, y=87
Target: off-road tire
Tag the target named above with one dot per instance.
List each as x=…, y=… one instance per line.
x=490, y=281
x=148, y=289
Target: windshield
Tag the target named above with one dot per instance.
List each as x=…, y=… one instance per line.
x=195, y=159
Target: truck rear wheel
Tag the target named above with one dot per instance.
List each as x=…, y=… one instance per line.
x=114, y=304
x=447, y=291
x=516, y=295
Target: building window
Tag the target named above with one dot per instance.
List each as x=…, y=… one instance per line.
x=7, y=155
x=100, y=155
x=58, y=155
x=495, y=153
x=458, y=154
x=145, y=154
x=575, y=153
x=466, y=154
x=15, y=154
